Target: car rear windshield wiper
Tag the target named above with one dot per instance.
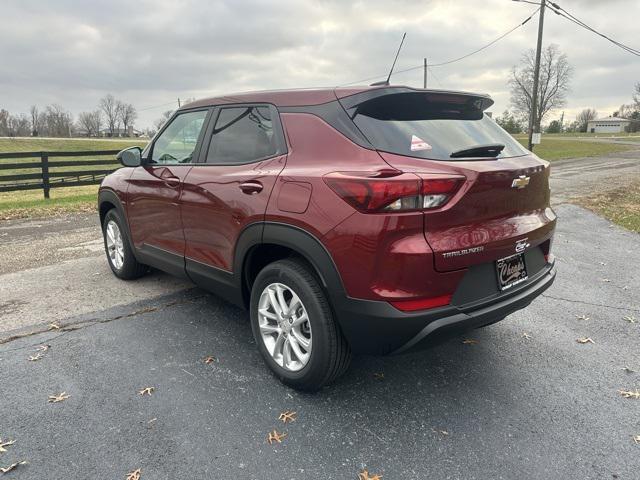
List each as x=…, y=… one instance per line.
x=490, y=150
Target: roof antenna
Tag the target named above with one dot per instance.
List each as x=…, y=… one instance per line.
x=386, y=82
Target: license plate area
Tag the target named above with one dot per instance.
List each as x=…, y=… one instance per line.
x=511, y=271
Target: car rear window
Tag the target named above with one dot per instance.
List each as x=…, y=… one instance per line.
x=431, y=126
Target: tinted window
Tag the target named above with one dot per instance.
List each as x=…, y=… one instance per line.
x=242, y=135
x=178, y=141
x=430, y=125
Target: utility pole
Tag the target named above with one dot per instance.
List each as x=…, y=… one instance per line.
x=536, y=74
x=425, y=74
x=178, y=102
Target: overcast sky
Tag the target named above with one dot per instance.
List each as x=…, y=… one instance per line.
x=150, y=53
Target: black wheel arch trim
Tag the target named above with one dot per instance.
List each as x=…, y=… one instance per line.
x=298, y=240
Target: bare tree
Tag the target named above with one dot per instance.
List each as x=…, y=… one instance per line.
x=4, y=123
x=90, y=122
x=162, y=120
x=35, y=120
x=110, y=107
x=636, y=96
x=97, y=121
x=626, y=110
x=584, y=117
x=555, y=76
x=128, y=115
x=58, y=121
x=19, y=125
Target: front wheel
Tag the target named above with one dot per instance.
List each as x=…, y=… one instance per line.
x=294, y=328
x=121, y=259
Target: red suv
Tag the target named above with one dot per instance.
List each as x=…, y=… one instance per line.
x=365, y=220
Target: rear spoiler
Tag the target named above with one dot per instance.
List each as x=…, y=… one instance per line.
x=472, y=101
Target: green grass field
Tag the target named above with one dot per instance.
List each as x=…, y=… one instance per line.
x=562, y=147
x=31, y=203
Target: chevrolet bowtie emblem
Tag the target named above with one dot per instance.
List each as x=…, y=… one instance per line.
x=520, y=182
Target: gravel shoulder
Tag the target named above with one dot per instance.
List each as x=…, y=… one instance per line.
x=55, y=268
x=577, y=177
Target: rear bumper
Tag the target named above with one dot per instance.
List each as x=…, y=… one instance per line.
x=374, y=327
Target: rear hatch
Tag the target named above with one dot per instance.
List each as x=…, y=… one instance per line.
x=501, y=207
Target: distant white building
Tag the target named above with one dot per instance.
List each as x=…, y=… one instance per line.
x=608, y=125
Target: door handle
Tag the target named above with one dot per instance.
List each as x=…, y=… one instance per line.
x=173, y=182
x=251, y=187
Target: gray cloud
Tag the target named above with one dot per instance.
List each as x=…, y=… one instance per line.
x=152, y=52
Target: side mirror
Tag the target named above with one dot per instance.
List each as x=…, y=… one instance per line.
x=130, y=157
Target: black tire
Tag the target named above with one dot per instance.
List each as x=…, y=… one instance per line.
x=330, y=352
x=131, y=268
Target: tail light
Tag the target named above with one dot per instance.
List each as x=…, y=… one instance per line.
x=393, y=190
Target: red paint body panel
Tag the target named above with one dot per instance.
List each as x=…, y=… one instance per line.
x=153, y=207
x=215, y=210
x=486, y=212
x=315, y=149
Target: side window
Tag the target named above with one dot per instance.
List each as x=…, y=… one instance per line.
x=242, y=135
x=178, y=141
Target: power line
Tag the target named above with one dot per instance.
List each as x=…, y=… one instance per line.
x=156, y=106
x=434, y=76
x=455, y=59
x=488, y=44
x=558, y=10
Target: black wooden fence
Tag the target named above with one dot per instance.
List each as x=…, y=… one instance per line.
x=54, y=174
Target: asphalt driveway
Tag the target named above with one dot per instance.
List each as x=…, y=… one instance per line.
x=526, y=401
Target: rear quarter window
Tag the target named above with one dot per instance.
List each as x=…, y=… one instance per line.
x=430, y=126
x=242, y=135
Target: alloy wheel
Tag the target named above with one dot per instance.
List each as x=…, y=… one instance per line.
x=115, y=247
x=284, y=327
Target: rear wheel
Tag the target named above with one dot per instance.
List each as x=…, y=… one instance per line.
x=121, y=259
x=294, y=328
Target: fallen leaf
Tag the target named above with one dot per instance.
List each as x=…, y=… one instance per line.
x=627, y=369
x=585, y=340
x=43, y=348
x=364, y=475
x=470, y=341
x=526, y=335
x=275, y=437
x=58, y=398
x=287, y=416
x=582, y=317
x=11, y=467
x=209, y=359
x=630, y=318
x=147, y=391
x=637, y=439
x=630, y=394
x=5, y=444
x=378, y=376
x=135, y=475
x=35, y=358
x=54, y=326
